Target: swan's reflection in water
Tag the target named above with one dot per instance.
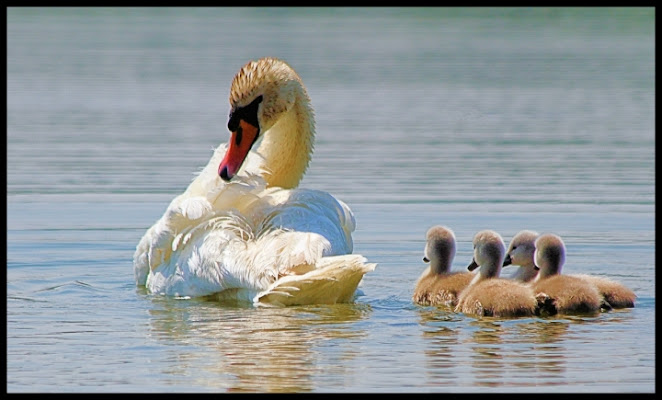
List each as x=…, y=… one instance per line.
x=258, y=349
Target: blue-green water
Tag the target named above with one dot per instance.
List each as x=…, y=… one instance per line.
x=504, y=118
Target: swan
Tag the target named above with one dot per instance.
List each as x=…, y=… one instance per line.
x=522, y=252
x=437, y=285
x=489, y=295
x=569, y=294
x=243, y=230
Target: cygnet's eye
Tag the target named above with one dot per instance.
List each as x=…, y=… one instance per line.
x=514, y=247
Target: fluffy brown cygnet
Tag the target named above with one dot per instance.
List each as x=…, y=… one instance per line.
x=437, y=285
x=614, y=293
x=487, y=294
x=569, y=294
x=521, y=252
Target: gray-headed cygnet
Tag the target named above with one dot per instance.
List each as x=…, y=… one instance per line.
x=437, y=285
x=521, y=252
x=488, y=294
x=569, y=294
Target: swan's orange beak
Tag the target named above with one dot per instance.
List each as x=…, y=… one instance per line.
x=241, y=141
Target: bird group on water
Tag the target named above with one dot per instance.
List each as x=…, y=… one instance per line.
x=537, y=288
x=244, y=230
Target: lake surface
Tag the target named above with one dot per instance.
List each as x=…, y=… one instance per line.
x=503, y=119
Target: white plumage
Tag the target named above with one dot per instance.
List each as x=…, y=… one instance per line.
x=255, y=236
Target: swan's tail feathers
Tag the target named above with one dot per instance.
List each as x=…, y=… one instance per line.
x=334, y=280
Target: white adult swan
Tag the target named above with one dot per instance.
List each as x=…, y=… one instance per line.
x=242, y=230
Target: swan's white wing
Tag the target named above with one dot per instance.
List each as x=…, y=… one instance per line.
x=205, y=197
x=305, y=210
x=240, y=235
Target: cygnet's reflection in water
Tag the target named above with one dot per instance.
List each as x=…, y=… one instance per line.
x=546, y=357
x=493, y=352
x=259, y=349
x=441, y=332
x=488, y=352
x=519, y=352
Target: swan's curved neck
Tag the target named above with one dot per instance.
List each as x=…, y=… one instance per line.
x=288, y=145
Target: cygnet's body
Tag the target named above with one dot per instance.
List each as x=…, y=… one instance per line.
x=614, y=293
x=569, y=294
x=521, y=252
x=438, y=285
x=487, y=294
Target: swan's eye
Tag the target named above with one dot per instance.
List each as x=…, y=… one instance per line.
x=514, y=247
x=247, y=113
x=233, y=122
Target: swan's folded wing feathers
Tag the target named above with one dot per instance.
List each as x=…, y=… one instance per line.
x=314, y=212
x=287, y=252
x=333, y=281
x=195, y=207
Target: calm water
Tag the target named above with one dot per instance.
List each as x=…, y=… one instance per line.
x=503, y=119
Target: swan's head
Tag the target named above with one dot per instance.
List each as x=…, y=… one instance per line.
x=439, y=248
x=489, y=252
x=549, y=255
x=261, y=92
x=521, y=249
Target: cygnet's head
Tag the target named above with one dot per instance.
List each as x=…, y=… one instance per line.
x=489, y=252
x=549, y=255
x=521, y=249
x=439, y=248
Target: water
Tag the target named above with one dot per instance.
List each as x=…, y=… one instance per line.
x=474, y=118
